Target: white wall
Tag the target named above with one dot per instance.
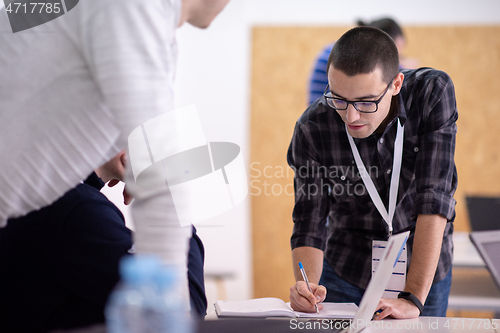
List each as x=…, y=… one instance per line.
x=214, y=74
x=331, y=12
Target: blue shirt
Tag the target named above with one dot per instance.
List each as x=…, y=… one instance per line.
x=319, y=80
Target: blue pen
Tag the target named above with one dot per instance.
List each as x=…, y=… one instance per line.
x=379, y=311
x=304, y=276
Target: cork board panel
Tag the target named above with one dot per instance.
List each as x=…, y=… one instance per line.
x=282, y=58
x=471, y=56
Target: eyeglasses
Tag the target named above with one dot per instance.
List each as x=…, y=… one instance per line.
x=362, y=106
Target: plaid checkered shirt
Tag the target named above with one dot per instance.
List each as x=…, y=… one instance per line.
x=333, y=211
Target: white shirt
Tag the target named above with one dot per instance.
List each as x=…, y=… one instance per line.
x=71, y=91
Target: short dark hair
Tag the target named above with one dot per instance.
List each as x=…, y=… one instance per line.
x=386, y=25
x=361, y=49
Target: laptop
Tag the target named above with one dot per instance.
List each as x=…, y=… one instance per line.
x=483, y=212
x=378, y=282
x=487, y=244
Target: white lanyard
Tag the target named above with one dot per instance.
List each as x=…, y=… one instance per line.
x=396, y=170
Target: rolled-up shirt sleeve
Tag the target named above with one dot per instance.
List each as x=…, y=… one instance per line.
x=435, y=171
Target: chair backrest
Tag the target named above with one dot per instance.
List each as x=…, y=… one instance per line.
x=484, y=212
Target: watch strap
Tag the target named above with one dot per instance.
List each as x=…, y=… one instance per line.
x=412, y=298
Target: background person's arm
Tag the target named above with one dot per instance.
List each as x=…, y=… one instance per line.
x=130, y=50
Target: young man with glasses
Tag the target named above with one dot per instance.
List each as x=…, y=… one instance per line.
x=375, y=157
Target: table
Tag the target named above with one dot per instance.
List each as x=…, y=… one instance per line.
x=472, y=287
x=464, y=252
x=435, y=324
x=282, y=325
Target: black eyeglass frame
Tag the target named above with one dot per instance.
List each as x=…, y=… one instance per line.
x=354, y=102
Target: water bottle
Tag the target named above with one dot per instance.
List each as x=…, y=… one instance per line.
x=128, y=303
x=172, y=314
x=147, y=300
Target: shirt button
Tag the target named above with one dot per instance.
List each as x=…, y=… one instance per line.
x=381, y=140
x=342, y=177
x=415, y=149
x=388, y=171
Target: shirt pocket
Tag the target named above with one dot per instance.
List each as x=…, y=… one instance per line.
x=346, y=184
x=411, y=149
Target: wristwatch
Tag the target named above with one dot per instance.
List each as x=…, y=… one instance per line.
x=412, y=298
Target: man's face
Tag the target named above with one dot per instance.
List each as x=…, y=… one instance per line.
x=363, y=87
x=200, y=13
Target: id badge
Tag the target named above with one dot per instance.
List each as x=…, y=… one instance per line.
x=398, y=279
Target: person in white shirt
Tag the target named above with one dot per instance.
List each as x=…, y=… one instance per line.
x=73, y=90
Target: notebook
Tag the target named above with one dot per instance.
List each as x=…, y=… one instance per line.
x=275, y=307
x=362, y=316
x=487, y=244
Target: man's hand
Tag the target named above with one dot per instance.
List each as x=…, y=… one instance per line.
x=113, y=171
x=397, y=308
x=303, y=300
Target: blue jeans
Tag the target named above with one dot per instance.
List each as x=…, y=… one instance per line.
x=339, y=290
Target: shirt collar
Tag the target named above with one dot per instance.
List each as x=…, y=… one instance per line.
x=400, y=113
